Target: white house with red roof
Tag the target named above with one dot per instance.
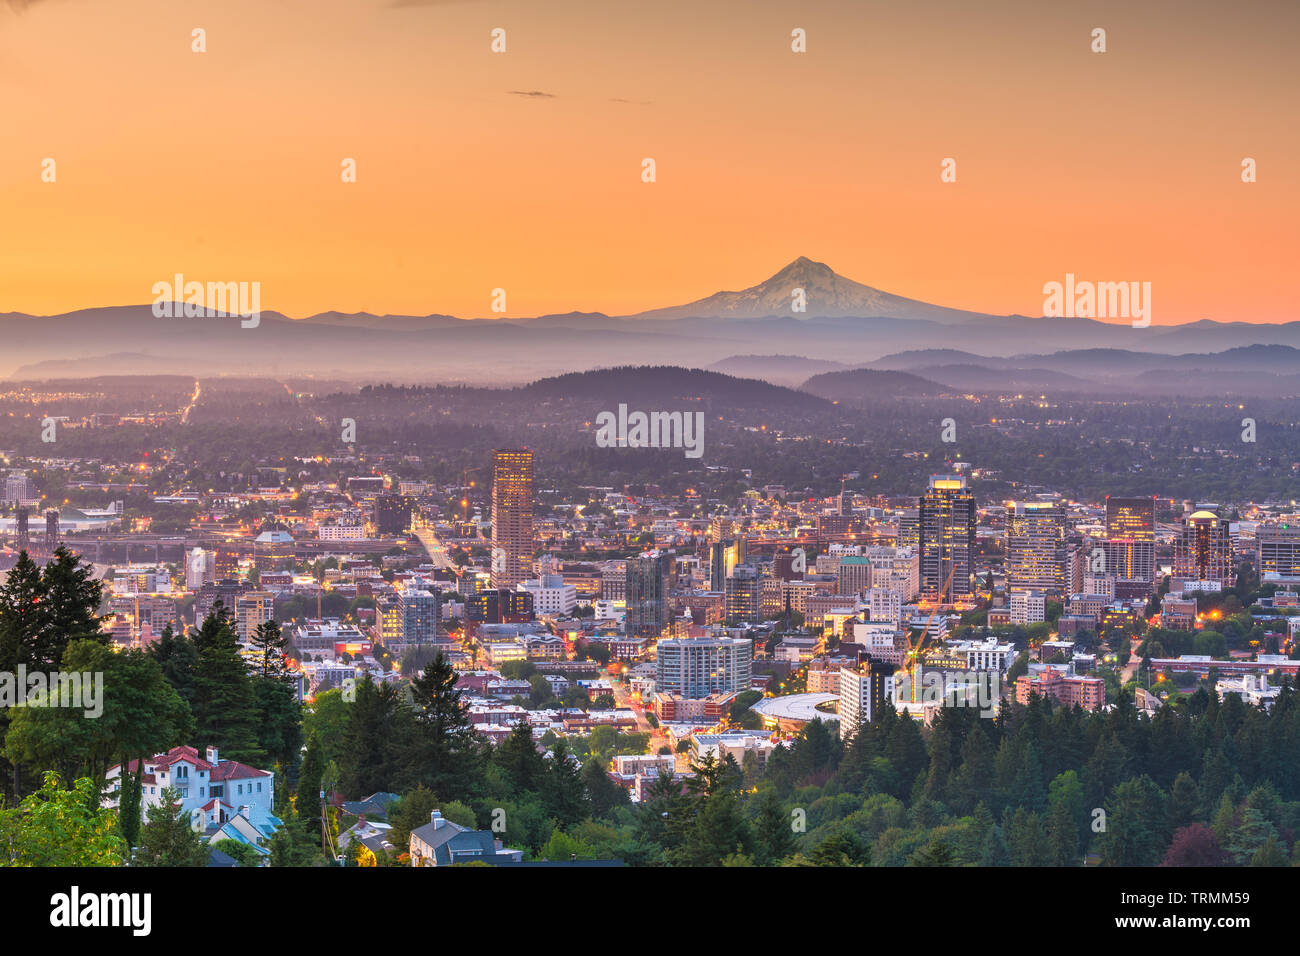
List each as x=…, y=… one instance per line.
x=211, y=790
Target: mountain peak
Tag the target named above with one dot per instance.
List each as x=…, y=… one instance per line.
x=822, y=291
x=803, y=266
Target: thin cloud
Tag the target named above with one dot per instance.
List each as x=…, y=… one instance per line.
x=534, y=93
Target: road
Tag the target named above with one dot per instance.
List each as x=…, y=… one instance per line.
x=436, y=550
x=194, y=400
x=623, y=699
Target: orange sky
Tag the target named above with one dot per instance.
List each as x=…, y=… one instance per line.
x=225, y=165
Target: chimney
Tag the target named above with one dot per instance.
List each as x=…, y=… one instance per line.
x=212, y=756
x=244, y=812
x=435, y=817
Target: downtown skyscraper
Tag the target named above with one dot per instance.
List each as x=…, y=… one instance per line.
x=512, y=517
x=1036, y=546
x=1203, y=554
x=646, y=594
x=1130, y=546
x=946, y=519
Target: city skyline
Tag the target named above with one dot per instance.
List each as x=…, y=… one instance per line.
x=746, y=435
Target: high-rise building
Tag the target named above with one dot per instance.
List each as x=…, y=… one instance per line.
x=786, y=566
x=419, y=610
x=1203, y=551
x=743, y=595
x=1130, y=517
x=909, y=528
x=273, y=550
x=866, y=689
x=19, y=489
x=853, y=575
x=200, y=568
x=1130, y=546
x=252, y=610
x=551, y=596
x=1036, y=547
x=390, y=621
x=947, y=545
x=1278, y=550
x=225, y=564
x=512, y=517
x=392, y=515
x=499, y=606
x=724, y=555
x=226, y=592
x=695, y=667
x=646, y=594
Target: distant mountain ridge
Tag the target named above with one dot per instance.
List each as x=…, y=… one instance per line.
x=753, y=332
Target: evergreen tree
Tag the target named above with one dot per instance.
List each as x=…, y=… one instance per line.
x=563, y=792
x=70, y=596
x=42, y=611
x=167, y=839
x=1062, y=836
x=1136, y=829
x=605, y=795
x=773, y=833
x=225, y=703
x=1184, y=801
x=1026, y=838
x=179, y=660
x=379, y=734
x=446, y=753
x=307, y=801
x=279, y=728
x=269, y=644
x=519, y=759
x=1270, y=854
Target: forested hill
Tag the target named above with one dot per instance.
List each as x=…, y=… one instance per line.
x=661, y=386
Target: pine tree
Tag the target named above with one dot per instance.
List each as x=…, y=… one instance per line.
x=269, y=645
x=1184, y=801
x=1062, y=836
x=166, y=839
x=605, y=795
x=225, y=703
x=1270, y=854
x=445, y=749
x=179, y=659
x=1136, y=830
x=518, y=757
x=70, y=596
x=307, y=800
x=279, y=718
x=773, y=834
x=379, y=733
x=564, y=794
x=128, y=807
